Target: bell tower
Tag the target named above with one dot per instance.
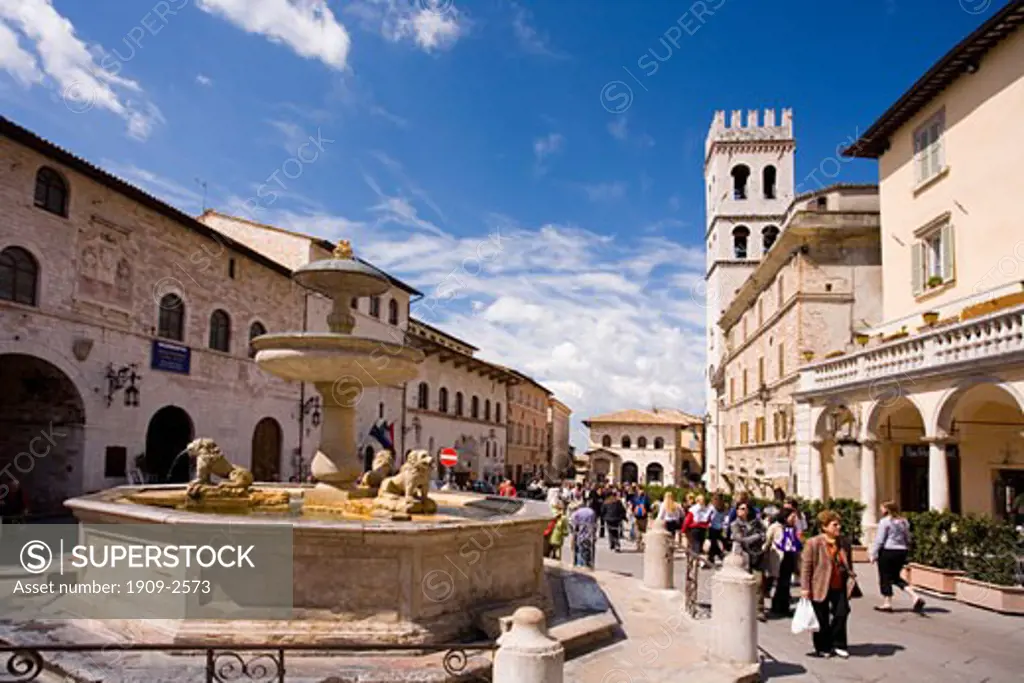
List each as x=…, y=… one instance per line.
x=748, y=177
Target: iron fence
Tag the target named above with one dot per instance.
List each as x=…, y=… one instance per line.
x=264, y=663
x=699, y=575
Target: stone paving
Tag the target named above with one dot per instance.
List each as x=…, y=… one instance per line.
x=948, y=643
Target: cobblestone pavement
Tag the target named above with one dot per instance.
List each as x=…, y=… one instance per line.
x=948, y=643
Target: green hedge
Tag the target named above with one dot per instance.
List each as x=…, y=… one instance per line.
x=849, y=511
x=985, y=548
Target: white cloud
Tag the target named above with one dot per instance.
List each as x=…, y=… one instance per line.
x=530, y=40
x=204, y=80
x=66, y=64
x=430, y=24
x=545, y=147
x=600, y=192
x=308, y=27
x=619, y=129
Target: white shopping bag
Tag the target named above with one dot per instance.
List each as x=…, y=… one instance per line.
x=804, y=619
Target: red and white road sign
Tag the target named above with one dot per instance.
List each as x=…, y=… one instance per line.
x=449, y=456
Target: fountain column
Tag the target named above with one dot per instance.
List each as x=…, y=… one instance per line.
x=336, y=462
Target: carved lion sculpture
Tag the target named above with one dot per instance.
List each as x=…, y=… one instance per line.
x=211, y=461
x=381, y=469
x=407, y=490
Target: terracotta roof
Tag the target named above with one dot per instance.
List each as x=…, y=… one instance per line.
x=964, y=58
x=661, y=416
x=441, y=332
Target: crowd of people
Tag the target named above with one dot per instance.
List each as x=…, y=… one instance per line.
x=774, y=540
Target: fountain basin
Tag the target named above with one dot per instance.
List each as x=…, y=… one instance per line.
x=324, y=357
x=367, y=581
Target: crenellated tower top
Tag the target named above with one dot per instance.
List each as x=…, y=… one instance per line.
x=749, y=130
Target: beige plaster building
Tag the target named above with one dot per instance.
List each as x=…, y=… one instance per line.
x=458, y=401
x=528, y=446
x=819, y=281
x=645, y=446
x=930, y=410
x=559, y=429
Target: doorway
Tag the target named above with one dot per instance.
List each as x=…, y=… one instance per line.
x=914, y=490
x=266, y=450
x=630, y=473
x=1009, y=496
x=170, y=430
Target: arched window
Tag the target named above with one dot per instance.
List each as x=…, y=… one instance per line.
x=740, y=175
x=606, y=441
x=19, y=275
x=459, y=410
x=497, y=413
x=641, y=442
x=768, y=182
x=739, y=241
x=393, y=312
x=659, y=442
x=171, y=324
x=423, y=396
x=51, y=192
x=474, y=408
x=487, y=410
x=375, y=306
x=626, y=443
x=220, y=331
x=255, y=330
x=654, y=473
x=768, y=237
x=442, y=400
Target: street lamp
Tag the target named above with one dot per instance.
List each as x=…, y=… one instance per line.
x=312, y=405
x=124, y=377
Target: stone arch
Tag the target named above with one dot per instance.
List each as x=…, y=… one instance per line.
x=939, y=425
x=42, y=442
x=170, y=429
x=874, y=411
x=267, y=439
x=630, y=473
x=654, y=473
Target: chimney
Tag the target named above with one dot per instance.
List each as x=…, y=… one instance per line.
x=769, y=118
x=752, y=118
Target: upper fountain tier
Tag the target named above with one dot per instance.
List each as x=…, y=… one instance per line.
x=338, y=356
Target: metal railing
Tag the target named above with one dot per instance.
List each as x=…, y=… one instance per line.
x=697, y=589
x=246, y=662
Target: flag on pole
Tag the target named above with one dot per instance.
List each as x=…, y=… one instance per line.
x=384, y=433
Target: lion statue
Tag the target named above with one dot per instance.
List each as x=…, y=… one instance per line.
x=210, y=461
x=406, y=492
x=381, y=469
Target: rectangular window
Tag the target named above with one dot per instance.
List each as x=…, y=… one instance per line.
x=782, y=361
x=732, y=390
x=775, y=426
x=783, y=425
x=932, y=258
x=759, y=433
x=115, y=462
x=929, y=155
x=760, y=371
x=744, y=383
x=744, y=433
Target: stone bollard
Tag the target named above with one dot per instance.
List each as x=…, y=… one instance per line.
x=526, y=653
x=658, y=560
x=733, y=611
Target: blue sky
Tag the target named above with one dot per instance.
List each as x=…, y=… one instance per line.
x=476, y=149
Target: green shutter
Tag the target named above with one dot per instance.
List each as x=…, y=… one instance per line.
x=917, y=267
x=947, y=252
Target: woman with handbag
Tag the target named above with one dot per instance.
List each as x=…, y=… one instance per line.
x=892, y=543
x=827, y=579
x=783, y=551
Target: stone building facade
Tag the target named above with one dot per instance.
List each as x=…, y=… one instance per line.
x=458, y=401
x=527, y=429
x=816, y=286
x=101, y=282
x=931, y=410
x=559, y=416
x=645, y=446
x=748, y=175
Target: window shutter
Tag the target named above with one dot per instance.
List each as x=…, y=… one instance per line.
x=917, y=268
x=947, y=251
x=919, y=156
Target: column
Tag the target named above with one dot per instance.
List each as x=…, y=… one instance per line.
x=869, y=490
x=817, y=481
x=938, y=474
x=734, y=611
x=526, y=653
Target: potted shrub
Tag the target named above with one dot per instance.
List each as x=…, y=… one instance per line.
x=934, y=281
x=808, y=355
x=991, y=547
x=937, y=558
x=930, y=318
x=835, y=354
x=862, y=338
x=850, y=512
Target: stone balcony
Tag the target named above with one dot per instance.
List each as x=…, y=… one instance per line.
x=990, y=340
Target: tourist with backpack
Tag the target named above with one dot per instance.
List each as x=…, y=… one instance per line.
x=782, y=548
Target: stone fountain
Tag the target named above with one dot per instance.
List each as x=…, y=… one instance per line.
x=373, y=558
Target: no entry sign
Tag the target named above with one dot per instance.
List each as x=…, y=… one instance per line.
x=449, y=456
